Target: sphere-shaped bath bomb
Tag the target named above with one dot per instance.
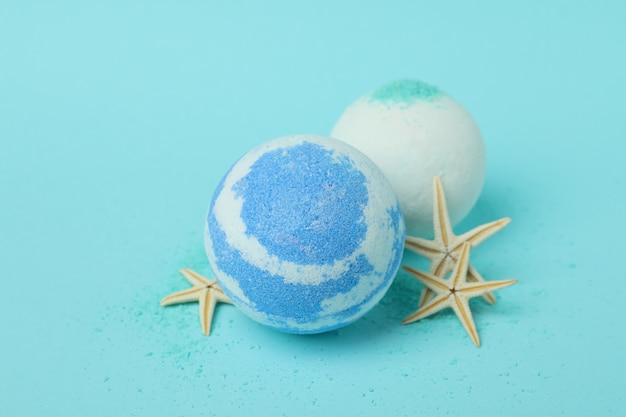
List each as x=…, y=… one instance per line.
x=304, y=234
x=414, y=131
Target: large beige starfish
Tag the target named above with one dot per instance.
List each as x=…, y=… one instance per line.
x=206, y=292
x=454, y=292
x=443, y=251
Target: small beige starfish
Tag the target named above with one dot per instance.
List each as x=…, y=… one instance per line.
x=443, y=251
x=206, y=292
x=454, y=292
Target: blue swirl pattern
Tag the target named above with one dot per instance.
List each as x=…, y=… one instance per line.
x=304, y=234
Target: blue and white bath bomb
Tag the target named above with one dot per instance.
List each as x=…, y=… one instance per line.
x=304, y=234
x=414, y=131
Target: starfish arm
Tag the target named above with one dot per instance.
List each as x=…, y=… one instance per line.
x=424, y=247
x=474, y=276
x=441, y=265
x=439, y=268
x=433, y=306
x=460, y=306
x=185, y=296
x=207, y=304
x=220, y=296
x=431, y=281
x=474, y=289
x=459, y=274
x=479, y=234
x=425, y=296
x=441, y=219
x=194, y=278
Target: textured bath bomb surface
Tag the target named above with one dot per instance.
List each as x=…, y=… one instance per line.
x=304, y=234
x=414, y=131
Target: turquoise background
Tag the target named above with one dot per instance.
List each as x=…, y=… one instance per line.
x=118, y=119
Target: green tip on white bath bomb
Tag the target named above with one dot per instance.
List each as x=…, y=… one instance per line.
x=405, y=92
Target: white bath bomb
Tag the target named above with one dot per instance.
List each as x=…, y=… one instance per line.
x=414, y=131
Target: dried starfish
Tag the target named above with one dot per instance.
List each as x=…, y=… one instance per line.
x=444, y=250
x=206, y=292
x=454, y=292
